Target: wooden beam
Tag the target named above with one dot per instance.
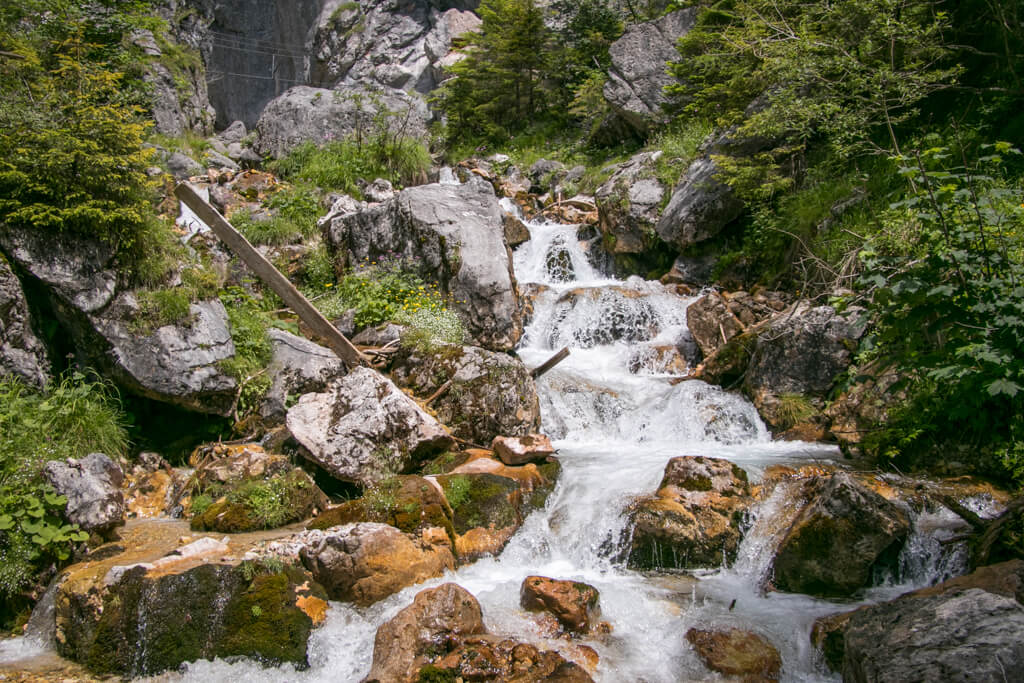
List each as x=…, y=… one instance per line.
x=271, y=276
x=550, y=363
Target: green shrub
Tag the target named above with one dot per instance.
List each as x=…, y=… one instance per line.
x=70, y=419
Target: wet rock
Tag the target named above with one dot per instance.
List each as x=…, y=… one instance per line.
x=243, y=488
x=409, y=503
x=629, y=205
x=137, y=614
x=521, y=450
x=839, y=539
x=157, y=492
x=1005, y=579
x=22, y=354
x=298, y=367
x=711, y=322
x=455, y=237
x=969, y=635
x=737, y=653
x=93, y=489
x=695, y=518
x=863, y=407
x=624, y=316
x=516, y=232
x=364, y=563
x=491, y=394
x=575, y=605
x=306, y=114
x=441, y=636
x=482, y=500
x=700, y=207
x=637, y=77
x=364, y=428
x=435, y=618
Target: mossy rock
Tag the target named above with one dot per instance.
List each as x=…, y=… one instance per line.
x=550, y=470
x=262, y=504
x=408, y=502
x=482, y=500
x=444, y=463
x=152, y=624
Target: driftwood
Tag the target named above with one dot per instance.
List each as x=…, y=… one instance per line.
x=987, y=531
x=271, y=276
x=550, y=363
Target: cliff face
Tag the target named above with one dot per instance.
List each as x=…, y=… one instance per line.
x=257, y=49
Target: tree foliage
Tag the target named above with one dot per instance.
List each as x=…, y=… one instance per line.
x=71, y=128
x=841, y=74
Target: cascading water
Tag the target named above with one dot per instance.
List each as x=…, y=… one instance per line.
x=617, y=411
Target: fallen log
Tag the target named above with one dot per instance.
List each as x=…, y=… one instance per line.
x=271, y=276
x=550, y=363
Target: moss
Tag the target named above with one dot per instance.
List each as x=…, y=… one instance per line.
x=488, y=501
x=434, y=674
x=696, y=483
x=260, y=504
x=264, y=623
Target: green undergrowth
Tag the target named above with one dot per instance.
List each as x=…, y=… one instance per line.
x=387, y=291
x=170, y=305
x=292, y=216
x=74, y=416
x=249, y=324
x=343, y=164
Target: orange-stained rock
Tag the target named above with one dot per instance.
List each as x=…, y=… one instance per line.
x=520, y=450
x=737, y=653
x=314, y=607
x=574, y=604
x=366, y=562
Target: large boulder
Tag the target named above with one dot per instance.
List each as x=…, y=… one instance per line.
x=638, y=73
x=1005, y=579
x=367, y=562
x=491, y=394
x=376, y=43
x=408, y=502
x=441, y=636
x=436, y=616
x=695, y=519
x=178, y=363
x=306, y=114
x=92, y=486
x=79, y=272
x=453, y=234
x=22, y=354
x=159, y=605
x=804, y=350
x=298, y=367
x=364, y=428
x=844, y=534
x=700, y=207
x=969, y=635
x=629, y=205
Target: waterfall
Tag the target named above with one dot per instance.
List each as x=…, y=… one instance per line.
x=618, y=408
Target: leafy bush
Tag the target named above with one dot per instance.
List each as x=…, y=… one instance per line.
x=948, y=306
x=72, y=418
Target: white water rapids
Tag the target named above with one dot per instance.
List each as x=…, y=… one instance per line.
x=616, y=417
